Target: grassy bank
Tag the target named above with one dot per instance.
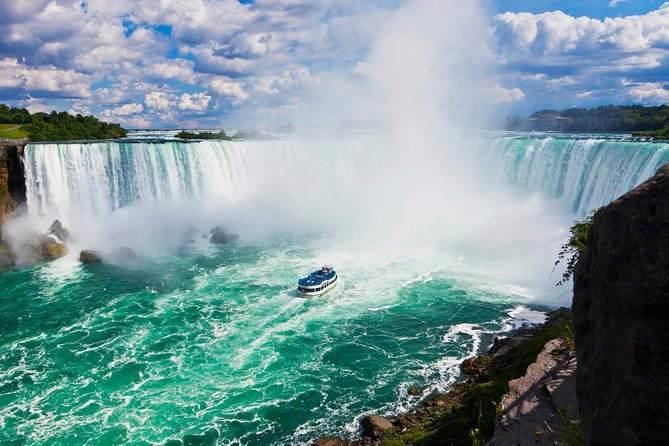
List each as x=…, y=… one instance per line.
x=12, y=131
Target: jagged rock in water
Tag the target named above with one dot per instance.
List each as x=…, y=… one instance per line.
x=621, y=319
x=90, y=257
x=7, y=257
x=373, y=426
x=59, y=231
x=219, y=236
x=44, y=247
x=414, y=391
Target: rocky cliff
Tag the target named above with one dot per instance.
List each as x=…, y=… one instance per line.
x=621, y=319
x=12, y=180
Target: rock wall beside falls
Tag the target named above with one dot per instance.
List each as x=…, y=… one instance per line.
x=12, y=178
x=621, y=319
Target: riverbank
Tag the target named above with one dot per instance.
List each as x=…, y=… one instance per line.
x=469, y=413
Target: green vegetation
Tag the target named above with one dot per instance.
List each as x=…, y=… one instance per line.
x=184, y=134
x=573, y=249
x=662, y=133
x=54, y=126
x=12, y=131
x=573, y=430
x=642, y=121
x=466, y=415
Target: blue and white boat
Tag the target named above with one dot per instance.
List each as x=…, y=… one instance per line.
x=317, y=283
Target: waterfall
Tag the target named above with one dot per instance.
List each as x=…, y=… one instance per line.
x=587, y=172
x=95, y=179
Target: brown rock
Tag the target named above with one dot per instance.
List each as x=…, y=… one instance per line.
x=43, y=248
x=90, y=257
x=59, y=231
x=331, y=442
x=374, y=426
x=621, y=319
x=469, y=367
x=414, y=391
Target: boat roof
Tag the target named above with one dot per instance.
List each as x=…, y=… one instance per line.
x=318, y=277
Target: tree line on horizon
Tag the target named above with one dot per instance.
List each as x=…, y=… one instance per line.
x=59, y=126
x=638, y=119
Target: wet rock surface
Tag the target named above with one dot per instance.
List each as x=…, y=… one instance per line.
x=374, y=426
x=90, y=257
x=220, y=236
x=42, y=248
x=621, y=319
x=59, y=231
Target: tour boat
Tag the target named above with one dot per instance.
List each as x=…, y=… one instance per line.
x=317, y=283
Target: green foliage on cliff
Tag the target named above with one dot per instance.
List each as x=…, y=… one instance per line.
x=608, y=118
x=575, y=246
x=61, y=126
x=184, y=134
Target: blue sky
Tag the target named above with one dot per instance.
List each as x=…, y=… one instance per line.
x=212, y=63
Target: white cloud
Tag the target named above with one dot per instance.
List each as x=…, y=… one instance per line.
x=503, y=95
x=614, y=3
x=225, y=87
x=648, y=92
x=197, y=102
x=47, y=80
x=160, y=101
x=124, y=110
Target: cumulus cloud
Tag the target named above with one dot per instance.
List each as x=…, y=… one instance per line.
x=197, y=102
x=159, y=100
x=646, y=92
x=124, y=110
x=555, y=56
x=200, y=59
x=47, y=81
x=226, y=88
x=503, y=95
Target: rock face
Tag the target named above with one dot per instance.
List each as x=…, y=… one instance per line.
x=12, y=181
x=528, y=412
x=621, y=319
x=373, y=426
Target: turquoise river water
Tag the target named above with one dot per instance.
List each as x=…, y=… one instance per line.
x=195, y=339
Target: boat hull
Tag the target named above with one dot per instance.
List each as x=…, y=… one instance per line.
x=306, y=292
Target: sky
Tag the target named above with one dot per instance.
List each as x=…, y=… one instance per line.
x=231, y=63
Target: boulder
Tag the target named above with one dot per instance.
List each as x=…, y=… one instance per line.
x=90, y=257
x=414, y=391
x=44, y=247
x=475, y=365
x=374, y=426
x=219, y=236
x=59, y=231
x=621, y=319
